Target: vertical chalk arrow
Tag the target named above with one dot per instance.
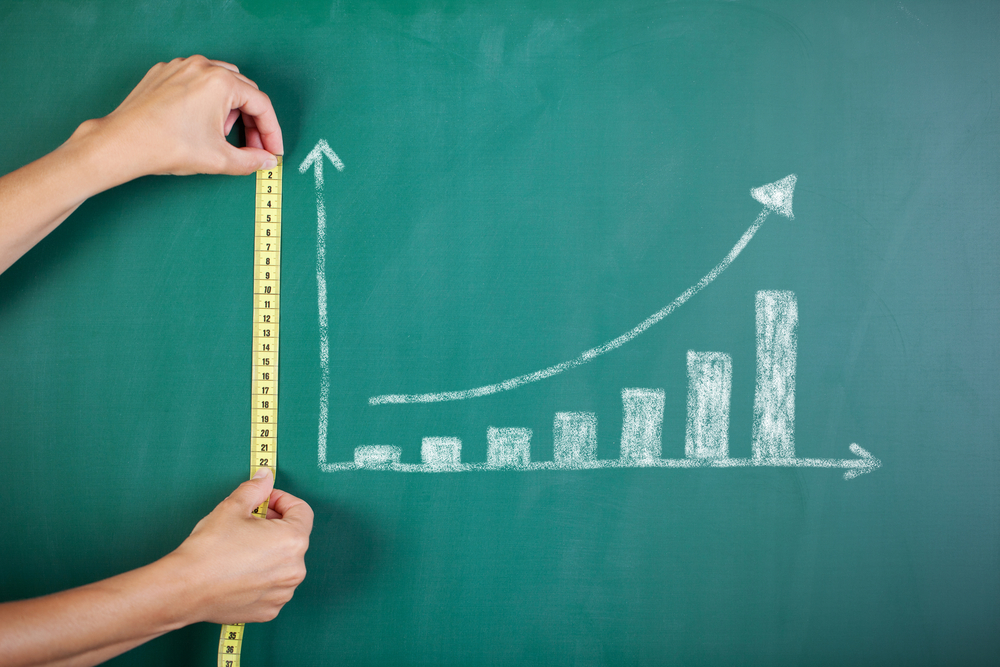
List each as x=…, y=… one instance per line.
x=315, y=160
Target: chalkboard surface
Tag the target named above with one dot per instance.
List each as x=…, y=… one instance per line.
x=693, y=251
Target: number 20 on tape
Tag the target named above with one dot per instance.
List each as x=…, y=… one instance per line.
x=264, y=388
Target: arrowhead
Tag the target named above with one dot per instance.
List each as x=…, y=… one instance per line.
x=777, y=196
x=867, y=462
x=315, y=159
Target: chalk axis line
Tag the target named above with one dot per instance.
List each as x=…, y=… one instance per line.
x=707, y=447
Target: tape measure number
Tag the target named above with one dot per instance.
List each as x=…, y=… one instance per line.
x=264, y=392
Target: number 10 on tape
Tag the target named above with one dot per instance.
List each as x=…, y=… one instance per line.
x=264, y=392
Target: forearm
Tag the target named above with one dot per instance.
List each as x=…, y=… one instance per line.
x=36, y=198
x=234, y=567
x=93, y=623
x=98, y=656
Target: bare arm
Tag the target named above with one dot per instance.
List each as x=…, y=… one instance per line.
x=233, y=568
x=174, y=122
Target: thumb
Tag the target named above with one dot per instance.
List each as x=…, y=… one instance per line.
x=247, y=160
x=252, y=493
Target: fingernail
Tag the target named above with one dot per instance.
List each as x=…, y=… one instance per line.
x=261, y=472
x=269, y=163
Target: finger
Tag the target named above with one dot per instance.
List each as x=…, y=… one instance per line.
x=232, y=68
x=252, y=133
x=253, y=138
x=231, y=120
x=256, y=104
x=251, y=494
x=292, y=510
x=244, y=161
x=247, y=80
x=272, y=500
x=222, y=63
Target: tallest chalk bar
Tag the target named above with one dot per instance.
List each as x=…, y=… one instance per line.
x=777, y=324
x=774, y=400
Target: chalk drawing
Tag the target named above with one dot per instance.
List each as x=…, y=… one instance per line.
x=642, y=425
x=377, y=456
x=441, y=454
x=574, y=438
x=575, y=433
x=315, y=160
x=706, y=445
x=508, y=447
x=710, y=382
x=775, y=197
x=774, y=400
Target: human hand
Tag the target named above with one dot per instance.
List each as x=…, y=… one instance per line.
x=177, y=118
x=247, y=568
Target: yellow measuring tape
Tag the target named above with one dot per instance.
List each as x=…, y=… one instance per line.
x=264, y=392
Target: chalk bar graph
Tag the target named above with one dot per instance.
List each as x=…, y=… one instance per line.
x=575, y=434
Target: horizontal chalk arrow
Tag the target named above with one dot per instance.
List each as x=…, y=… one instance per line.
x=853, y=467
x=776, y=197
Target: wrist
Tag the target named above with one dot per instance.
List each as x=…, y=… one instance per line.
x=100, y=157
x=180, y=589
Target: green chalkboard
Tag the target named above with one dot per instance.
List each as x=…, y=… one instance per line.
x=527, y=184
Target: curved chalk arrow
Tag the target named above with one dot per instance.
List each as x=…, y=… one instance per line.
x=775, y=197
